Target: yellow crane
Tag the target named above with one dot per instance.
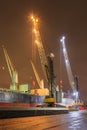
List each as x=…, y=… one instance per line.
x=12, y=71
x=40, y=82
x=41, y=90
x=14, y=75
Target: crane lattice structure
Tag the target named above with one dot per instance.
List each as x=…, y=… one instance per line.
x=67, y=63
x=40, y=82
x=46, y=62
x=38, y=42
x=12, y=71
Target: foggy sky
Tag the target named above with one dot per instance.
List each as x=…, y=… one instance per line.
x=57, y=18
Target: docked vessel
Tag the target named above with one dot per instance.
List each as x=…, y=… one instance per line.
x=10, y=98
x=17, y=95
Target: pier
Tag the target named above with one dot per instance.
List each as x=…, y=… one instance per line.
x=15, y=112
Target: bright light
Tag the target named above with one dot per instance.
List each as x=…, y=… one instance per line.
x=75, y=94
x=34, y=30
x=52, y=55
x=36, y=41
x=64, y=50
x=62, y=39
x=36, y=20
x=32, y=18
x=66, y=61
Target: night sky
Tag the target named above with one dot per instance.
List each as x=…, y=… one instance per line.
x=57, y=18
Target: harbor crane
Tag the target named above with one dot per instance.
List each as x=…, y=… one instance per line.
x=38, y=42
x=12, y=71
x=46, y=61
x=72, y=79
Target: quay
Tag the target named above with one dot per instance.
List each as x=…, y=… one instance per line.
x=15, y=112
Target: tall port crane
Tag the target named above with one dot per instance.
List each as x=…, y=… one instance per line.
x=37, y=40
x=67, y=63
x=46, y=61
x=12, y=71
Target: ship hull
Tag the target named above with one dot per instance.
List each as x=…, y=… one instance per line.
x=12, y=98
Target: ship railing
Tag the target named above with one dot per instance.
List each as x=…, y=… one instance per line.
x=16, y=91
x=5, y=90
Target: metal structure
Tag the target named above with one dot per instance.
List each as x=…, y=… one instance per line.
x=37, y=40
x=67, y=63
x=46, y=61
x=17, y=97
x=50, y=73
x=39, y=81
x=12, y=71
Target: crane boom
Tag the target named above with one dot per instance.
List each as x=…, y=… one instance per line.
x=39, y=44
x=67, y=63
x=9, y=64
x=40, y=82
x=12, y=71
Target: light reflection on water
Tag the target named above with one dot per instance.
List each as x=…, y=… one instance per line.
x=75, y=114
x=75, y=127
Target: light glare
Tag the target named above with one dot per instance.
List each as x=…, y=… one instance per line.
x=62, y=39
x=34, y=30
x=64, y=49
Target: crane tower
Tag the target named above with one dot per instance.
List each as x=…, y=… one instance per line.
x=67, y=63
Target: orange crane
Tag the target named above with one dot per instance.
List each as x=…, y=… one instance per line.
x=37, y=40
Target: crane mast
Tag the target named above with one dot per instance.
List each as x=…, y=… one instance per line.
x=12, y=71
x=67, y=63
